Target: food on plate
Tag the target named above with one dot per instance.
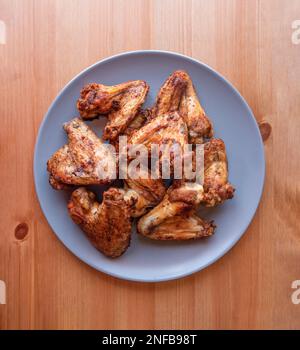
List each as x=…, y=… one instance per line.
x=143, y=193
x=199, y=125
x=170, y=94
x=121, y=103
x=178, y=94
x=107, y=225
x=82, y=160
x=175, y=218
x=163, y=212
x=166, y=130
x=217, y=189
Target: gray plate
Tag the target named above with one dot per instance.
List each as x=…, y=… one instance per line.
x=233, y=120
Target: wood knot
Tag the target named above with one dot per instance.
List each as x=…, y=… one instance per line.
x=265, y=130
x=21, y=231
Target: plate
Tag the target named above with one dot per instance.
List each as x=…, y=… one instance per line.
x=147, y=260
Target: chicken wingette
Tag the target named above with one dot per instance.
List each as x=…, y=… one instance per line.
x=178, y=94
x=170, y=94
x=143, y=193
x=121, y=103
x=107, y=225
x=83, y=160
x=217, y=189
x=199, y=125
x=175, y=217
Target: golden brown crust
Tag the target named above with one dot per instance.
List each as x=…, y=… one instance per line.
x=107, y=225
x=170, y=94
x=199, y=125
x=178, y=94
x=174, y=218
x=120, y=102
x=80, y=161
x=168, y=132
x=217, y=189
x=143, y=194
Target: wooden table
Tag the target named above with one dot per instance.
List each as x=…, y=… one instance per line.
x=248, y=41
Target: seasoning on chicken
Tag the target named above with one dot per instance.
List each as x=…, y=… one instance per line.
x=107, y=225
x=85, y=160
x=175, y=217
x=120, y=103
x=217, y=189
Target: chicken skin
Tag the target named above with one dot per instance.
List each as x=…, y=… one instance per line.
x=143, y=193
x=168, y=132
x=107, y=225
x=199, y=125
x=120, y=103
x=170, y=94
x=82, y=161
x=217, y=189
x=178, y=94
x=174, y=218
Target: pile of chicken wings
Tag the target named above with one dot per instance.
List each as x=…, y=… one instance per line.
x=161, y=212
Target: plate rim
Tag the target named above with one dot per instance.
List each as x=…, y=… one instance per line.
x=171, y=276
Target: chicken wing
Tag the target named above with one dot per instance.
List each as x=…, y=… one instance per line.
x=178, y=94
x=143, y=193
x=168, y=132
x=175, y=218
x=217, y=189
x=169, y=96
x=82, y=161
x=120, y=102
x=107, y=225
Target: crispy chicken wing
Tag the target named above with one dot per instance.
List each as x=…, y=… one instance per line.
x=82, y=160
x=199, y=125
x=178, y=94
x=138, y=121
x=217, y=189
x=120, y=102
x=174, y=218
x=143, y=193
x=169, y=96
x=107, y=225
x=168, y=132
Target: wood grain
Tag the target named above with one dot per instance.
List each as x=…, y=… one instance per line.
x=249, y=42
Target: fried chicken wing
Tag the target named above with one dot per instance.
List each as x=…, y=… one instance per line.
x=178, y=94
x=107, y=225
x=143, y=193
x=167, y=131
x=169, y=96
x=174, y=218
x=82, y=160
x=199, y=125
x=217, y=189
x=120, y=102
x=138, y=121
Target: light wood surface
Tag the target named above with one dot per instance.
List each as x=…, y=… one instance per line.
x=249, y=42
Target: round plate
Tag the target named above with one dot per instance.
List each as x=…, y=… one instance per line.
x=233, y=121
